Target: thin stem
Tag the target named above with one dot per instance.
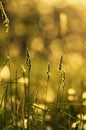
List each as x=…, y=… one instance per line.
x=35, y=102
x=8, y=58
x=69, y=124
x=63, y=87
x=16, y=98
x=5, y=103
x=57, y=103
x=25, y=98
x=4, y=17
x=10, y=83
x=48, y=78
x=28, y=63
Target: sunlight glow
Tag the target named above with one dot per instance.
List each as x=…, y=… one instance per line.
x=84, y=95
x=84, y=103
x=71, y=91
x=84, y=126
x=71, y=98
x=49, y=1
x=82, y=2
x=25, y=123
x=74, y=125
x=63, y=23
x=39, y=108
x=50, y=96
x=44, y=8
x=22, y=80
x=82, y=116
x=5, y=73
x=75, y=60
x=56, y=49
x=37, y=44
x=48, y=128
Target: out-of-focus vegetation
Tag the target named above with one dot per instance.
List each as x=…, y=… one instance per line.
x=50, y=29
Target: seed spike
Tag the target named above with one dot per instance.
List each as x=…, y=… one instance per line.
x=28, y=61
x=60, y=64
x=48, y=70
x=63, y=79
x=4, y=17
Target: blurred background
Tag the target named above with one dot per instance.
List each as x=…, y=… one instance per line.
x=50, y=29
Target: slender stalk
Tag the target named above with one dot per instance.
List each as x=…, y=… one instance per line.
x=28, y=63
x=16, y=99
x=69, y=121
x=81, y=121
x=23, y=112
x=46, y=89
x=4, y=17
x=35, y=102
x=25, y=98
x=59, y=81
x=5, y=103
x=6, y=24
x=10, y=85
x=58, y=90
x=63, y=87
